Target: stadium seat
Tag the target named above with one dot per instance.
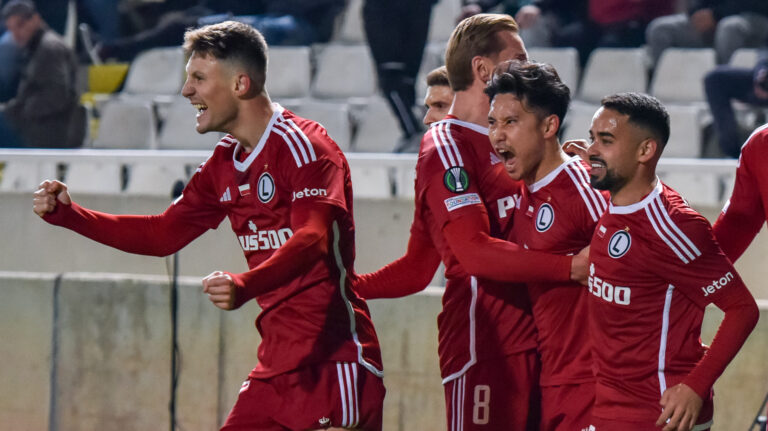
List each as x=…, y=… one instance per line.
x=156, y=71
x=679, y=75
x=679, y=83
x=377, y=128
x=178, y=129
x=152, y=179
x=745, y=57
x=95, y=176
x=578, y=120
x=344, y=71
x=126, y=124
x=434, y=57
x=350, y=28
x=289, y=72
x=687, y=123
x=564, y=60
x=371, y=181
x=335, y=117
x=613, y=70
x=443, y=20
x=25, y=175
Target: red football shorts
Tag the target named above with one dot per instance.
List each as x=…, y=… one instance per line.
x=495, y=394
x=318, y=396
x=703, y=423
x=567, y=407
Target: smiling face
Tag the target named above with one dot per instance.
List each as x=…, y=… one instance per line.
x=210, y=88
x=518, y=136
x=437, y=101
x=612, y=154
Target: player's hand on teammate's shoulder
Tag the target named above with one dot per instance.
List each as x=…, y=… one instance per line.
x=580, y=266
x=577, y=147
x=681, y=407
x=48, y=193
x=220, y=289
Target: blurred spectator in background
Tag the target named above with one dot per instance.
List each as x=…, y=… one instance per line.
x=439, y=96
x=46, y=100
x=282, y=22
x=397, y=33
x=725, y=25
x=727, y=83
x=582, y=24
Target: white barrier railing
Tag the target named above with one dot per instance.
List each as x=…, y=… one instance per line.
x=378, y=175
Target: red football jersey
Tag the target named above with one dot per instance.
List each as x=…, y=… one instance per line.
x=314, y=316
x=747, y=210
x=654, y=266
x=458, y=171
x=558, y=214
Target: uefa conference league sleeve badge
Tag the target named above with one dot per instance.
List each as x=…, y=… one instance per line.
x=456, y=179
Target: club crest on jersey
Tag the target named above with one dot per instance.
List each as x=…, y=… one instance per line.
x=545, y=217
x=456, y=179
x=619, y=244
x=266, y=188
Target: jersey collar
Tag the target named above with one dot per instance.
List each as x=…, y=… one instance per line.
x=538, y=185
x=245, y=164
x=472, y=126
x=628, y=209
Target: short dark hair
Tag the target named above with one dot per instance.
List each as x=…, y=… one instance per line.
x=438, y=76
x=537, y=84
x=21, y=8
x=231, y=41
x=643, y=110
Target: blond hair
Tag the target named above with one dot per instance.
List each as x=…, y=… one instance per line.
x=473, y=36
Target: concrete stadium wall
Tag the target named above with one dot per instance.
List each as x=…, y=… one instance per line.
x=92, y=352
x=382, y=229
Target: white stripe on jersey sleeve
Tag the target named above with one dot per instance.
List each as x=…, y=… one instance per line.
x=663, y=338
x=290, y=146
x=303, y=136
x=442, y=146
x=654, y=212
x=678, y=232
x=593, y=212
x=599, y=199
x=453, y=144
x=436, y=140
x=289, y=134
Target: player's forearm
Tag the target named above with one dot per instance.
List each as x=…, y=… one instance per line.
x=487, y=257
x=302, y=251
x=740, y=319
x=405, y=276
x=147, y=235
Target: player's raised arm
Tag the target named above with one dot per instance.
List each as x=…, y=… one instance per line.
x=153, y=235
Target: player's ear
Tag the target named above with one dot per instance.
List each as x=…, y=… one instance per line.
x=550, y=125
x=481, y=68
x=242, y=84
x=647, y=150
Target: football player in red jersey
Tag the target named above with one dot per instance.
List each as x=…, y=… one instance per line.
x=464, y=203
x=747, y=209
x=557, y=213
x=654, y=267
x=285, y=187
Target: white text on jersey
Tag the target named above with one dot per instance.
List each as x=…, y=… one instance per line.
x=507, y=203
x=265, y=239
x=309, y=192
x=717, y=284
x=602, y=289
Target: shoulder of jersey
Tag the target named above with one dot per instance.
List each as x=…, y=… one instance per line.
x=445, y=141
x=594, y=201
x=757, y=141
x=676, y=223
x=305, y=140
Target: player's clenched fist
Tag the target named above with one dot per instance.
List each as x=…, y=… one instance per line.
x=47, y=195
x=220, y=289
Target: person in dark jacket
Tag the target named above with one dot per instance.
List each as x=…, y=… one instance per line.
x=725, y=25
x=46, y=102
